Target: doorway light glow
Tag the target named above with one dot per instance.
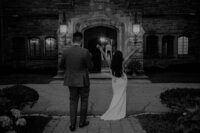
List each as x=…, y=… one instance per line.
x=102, y=39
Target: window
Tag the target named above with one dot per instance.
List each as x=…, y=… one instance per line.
x=19, y=48
x=34, y=47
x=50, y=47
x=152, y=47
x=183, y=45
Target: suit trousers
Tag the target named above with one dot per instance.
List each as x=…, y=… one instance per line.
x=77, y=93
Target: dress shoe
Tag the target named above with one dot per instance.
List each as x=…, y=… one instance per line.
x=72, y=128
x=86, y=123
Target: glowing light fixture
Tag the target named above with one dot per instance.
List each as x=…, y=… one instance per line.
x=63, y=28
x=136, y=29
x=102, y=39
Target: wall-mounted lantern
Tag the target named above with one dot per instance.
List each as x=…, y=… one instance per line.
x=136, y=29
x=63, y=28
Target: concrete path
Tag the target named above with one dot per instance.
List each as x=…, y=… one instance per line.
x=127, y=125
x=142, y=96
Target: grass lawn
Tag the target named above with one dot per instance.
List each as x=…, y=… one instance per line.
x=27, y=76
x=188, y=73
x=174, y=77
x=158, y=123
x=20, y=78
x=174, y=74
x=35, y=124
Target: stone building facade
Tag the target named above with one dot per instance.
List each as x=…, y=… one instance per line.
x=154, y=32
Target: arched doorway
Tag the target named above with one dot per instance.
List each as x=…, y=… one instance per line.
x=104, y=36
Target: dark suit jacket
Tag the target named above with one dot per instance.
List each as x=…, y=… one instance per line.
x=76, y=61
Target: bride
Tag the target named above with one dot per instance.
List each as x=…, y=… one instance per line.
x=117, y=108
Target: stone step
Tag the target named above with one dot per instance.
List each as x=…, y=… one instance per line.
x=106, y=80
x=106, y=75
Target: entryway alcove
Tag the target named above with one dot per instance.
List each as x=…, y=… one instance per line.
x=104, y=36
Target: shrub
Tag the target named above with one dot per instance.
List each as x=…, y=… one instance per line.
x=180, y=98
x=133, y=66
x=158, y=123
x=12, y=100
x=189, y=122
x=19, y=96
x=11, y=122
x=187, y=103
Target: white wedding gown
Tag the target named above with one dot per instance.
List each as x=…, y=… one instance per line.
x=117, y=108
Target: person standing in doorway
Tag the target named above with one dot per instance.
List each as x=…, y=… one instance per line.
x=76, y=61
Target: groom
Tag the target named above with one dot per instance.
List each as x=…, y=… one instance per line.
x=77, y=61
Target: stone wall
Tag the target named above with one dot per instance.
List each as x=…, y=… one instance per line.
x=28, y=28
x=40, y=18
x=177, y=25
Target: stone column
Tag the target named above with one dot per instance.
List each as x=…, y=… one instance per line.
x=61, y=44
x=175, y=52
x=144, y=44
x=135, y=45
x=2, y=33
x=160, y=45
x=139, y=54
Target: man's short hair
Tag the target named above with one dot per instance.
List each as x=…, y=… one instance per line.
x=77, y=36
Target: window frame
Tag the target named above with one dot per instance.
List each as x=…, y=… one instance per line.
x=34, y=56
x=182, y=54
x=51, y=51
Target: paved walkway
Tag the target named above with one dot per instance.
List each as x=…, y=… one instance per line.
x=142, y=96
x=127, y=125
